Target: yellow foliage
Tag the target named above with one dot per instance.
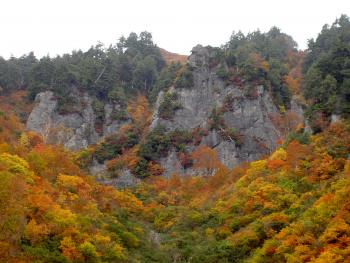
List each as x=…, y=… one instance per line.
x=35, y=232
x=118, y=252
x=16, y=165
x=279, y=154
x=61, y=218
x=329, y=257
x=140, y=112
x=69, y=249
x=24, y=140
x=258, y=166
x=69, y=181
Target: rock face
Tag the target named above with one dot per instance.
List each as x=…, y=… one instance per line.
x=73, y=130
x=246, y=108
x=249, y=114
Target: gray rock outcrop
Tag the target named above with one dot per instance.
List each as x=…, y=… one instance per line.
x=74, y=130
x=246, y=108
x=250, y=115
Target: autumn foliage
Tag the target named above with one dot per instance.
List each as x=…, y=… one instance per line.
x=292, y=206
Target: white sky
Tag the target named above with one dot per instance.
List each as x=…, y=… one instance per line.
x=59, y=26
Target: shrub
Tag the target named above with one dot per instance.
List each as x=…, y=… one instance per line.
x=216, y=57
x=301, y=137
x=121, y=115
x=230, y=59
x=141, y=169
x=66, y=104
x=116, y=144
x=216, y=119
x=99, y=111
x=184, y=78
x=117, y=95
x=232, y=134
x=169, y=105
x=180, y=138
x=166, y=78
x=222, y=73
x=156, y=144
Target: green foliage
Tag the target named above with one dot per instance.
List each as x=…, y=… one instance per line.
x=222, y=73
x=169, y=105
x=262, y=58
x=301, y=137
x=89, y=252
x=216, y=119
x=165, y=79
x=132, y=65
x=217, y=56
x=158, y=143
x=155, y=145
x=180, y=138
x=233, y=135
x=120, y=115
x=116, y=144
x=327, y=68
x=217, y=122
x=15, y=72
x=141, y=169
x=67, y=104
x=45, y=254
x=117, y=94
x=184, y=78
x=99, y=110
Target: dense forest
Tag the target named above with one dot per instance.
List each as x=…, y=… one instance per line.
x=293, y=205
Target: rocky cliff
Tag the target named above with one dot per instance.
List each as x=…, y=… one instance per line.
x=75, y=130
x=237, y=117
x=246, y=109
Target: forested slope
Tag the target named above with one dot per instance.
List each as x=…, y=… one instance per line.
x=291, y=205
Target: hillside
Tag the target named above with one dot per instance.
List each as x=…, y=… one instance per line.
x=238, y=153
x=170, y=57
x=292, y=205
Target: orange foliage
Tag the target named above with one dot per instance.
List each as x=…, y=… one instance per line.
x=140, y=113
x=170, y=57
x=206, y=159
x=294, y=77
x=128, y=159
x=287, y=122
x=259, y=62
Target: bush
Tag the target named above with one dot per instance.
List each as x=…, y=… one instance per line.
x=180, y=138
x=216, y=119
x=301, y=137
x=184, y=78
x=99, y=111
x=117, y=95
x=222, y=73
x=165, y=80
x=168, y=106
x=121, y=115
x=217, y=56
x=66, y=104
x=116, y=144
x=156, y=144
x=141, y=169
x=232, y=134
x=230, y=59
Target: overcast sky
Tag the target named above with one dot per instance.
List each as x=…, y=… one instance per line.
x=59, y=26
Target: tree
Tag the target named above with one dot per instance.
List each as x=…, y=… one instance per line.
x=206, y=159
